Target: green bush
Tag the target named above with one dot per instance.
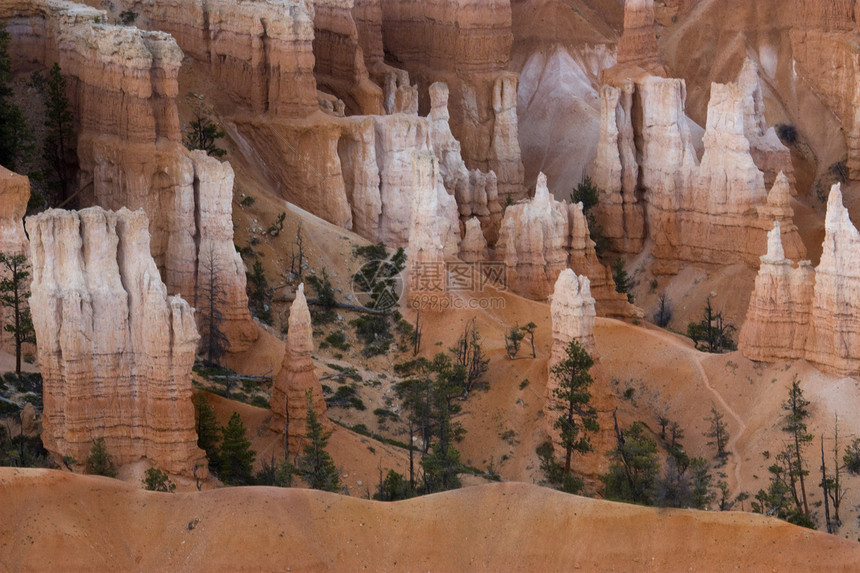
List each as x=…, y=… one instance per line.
x=157, y=480
x=99, y=462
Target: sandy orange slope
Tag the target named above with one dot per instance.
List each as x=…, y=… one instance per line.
x=51, y=520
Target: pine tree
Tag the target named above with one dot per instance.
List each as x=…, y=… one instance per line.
x=202, y=133
x=212, y=295
x=158, y=480
x=794, y=424
x=577, y=417
x=58, y=140
x=717, y=432
x=236, y=459
x=99, y=462
x=208, y=430
x=13, y=295
x=15, y=138
x=316, y=466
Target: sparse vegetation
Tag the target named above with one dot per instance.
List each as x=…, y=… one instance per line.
x=236, y=458
x=718, y=433
x=15, y=138
x=58, y=150
x=99, y=462
x=259, y=293
x=316, y=466
x=588, y=193
x=157, y=480
x=13, y=295
x=714, y=333
x=663, y=314
x=622, y=280
x=203, y=133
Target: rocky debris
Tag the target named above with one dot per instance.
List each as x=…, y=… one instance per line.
x=800, y=313
x=289, y=391
x=114, y=349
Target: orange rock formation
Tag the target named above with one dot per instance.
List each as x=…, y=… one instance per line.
x=114, y=350
x=122, y=86
x=800, y=313
x=289, y=391
x=541, y=237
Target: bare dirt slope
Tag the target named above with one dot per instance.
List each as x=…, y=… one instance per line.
x=55, y=520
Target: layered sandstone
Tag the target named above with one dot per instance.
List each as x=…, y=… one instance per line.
x=638, y=43
x=339, y=60
x=541, y=237
x=833, y=343
x=14, y=195
x=296, y=378
x=476, y=192
x=473, y=246
x=434, y=234
x=797, y=313
x=768, y=152
x=717, y=211
x=261, y=52
x=777, y=322
x=466, y=45
x=115, y=351
x=616, y=172
x=572, y=312
x=122, y=86
x=573, y=315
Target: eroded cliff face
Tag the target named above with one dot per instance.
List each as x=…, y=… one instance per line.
x=541, y=237
x=434, y=236
x=122, y=86
x=638, y=43
x=296, y=378
x=714, y=211
x=262, y=52
x=466, y=45
x=807, y=50
x=339, y=64
x=14, y=195
x=796, y=312
x=114, y=349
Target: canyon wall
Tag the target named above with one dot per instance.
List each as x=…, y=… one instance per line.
x=797, y=313
x=296, y=378
x=339, y=65
x=638, y=43
x=808, y=52
x=115, y=351
x=714, y=211
x=14, y=195
x=261, y=52
x=466, y=45
x=122, y=88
